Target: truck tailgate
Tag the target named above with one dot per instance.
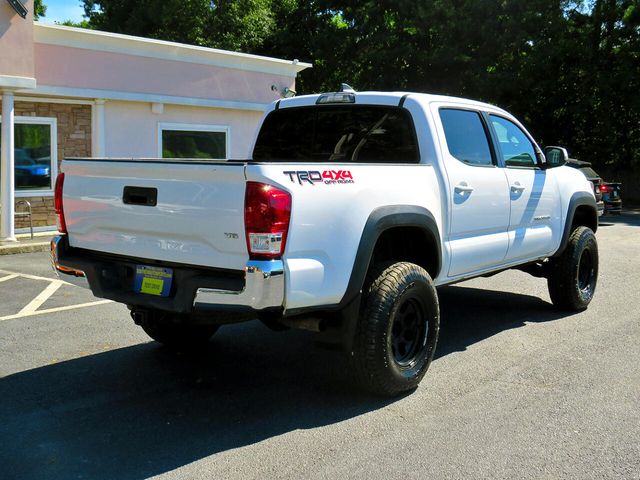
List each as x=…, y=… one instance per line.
x=182, y=212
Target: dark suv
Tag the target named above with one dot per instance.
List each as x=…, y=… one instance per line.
x=611, y=197
x=607, y=193
x=593, y=177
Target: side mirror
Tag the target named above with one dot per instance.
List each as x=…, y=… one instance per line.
x=556, y=156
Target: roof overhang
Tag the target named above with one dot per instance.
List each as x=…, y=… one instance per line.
x=10, y=82
x=145, y=47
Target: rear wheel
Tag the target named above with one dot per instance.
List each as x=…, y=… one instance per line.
x=397, y=331
x=166, y=328
x=573, y=276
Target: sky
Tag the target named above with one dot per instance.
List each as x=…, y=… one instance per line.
x=61, y=10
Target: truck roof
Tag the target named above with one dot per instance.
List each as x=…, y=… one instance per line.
x=386, y=98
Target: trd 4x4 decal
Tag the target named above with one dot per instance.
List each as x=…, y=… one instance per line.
x=314, y=176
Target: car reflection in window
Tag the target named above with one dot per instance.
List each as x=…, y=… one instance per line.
x=30, y=173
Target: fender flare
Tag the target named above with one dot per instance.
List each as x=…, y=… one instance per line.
x=379, y=221
x=578, y=199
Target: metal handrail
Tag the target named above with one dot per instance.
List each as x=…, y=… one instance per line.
x=25, y=214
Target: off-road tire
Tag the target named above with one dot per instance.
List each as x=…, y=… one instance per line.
x=574, y=274
x=392, y=352
x=177, y=335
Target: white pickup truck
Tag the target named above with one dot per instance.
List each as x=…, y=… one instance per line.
x=353, y=208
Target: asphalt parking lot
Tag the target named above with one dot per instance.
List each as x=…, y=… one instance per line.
x=517, y=389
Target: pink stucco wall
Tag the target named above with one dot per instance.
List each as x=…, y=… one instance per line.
x=131, y=130
x=16, y=41
x=90, y=69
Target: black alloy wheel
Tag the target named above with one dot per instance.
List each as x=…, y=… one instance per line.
x=586, y=273
x=409, y=332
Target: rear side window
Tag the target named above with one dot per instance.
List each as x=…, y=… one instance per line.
x=338, y=133
x=466, y=136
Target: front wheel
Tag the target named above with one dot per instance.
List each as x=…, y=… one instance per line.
x=397, y=330
x=574, y=274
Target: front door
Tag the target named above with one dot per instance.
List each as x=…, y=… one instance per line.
x=533, y=194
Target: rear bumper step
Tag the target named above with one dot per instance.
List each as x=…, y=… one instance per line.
x=259, y=287
x=264, y=288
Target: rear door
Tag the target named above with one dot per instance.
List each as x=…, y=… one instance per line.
x=478, y=189
x=174, y=211
x=535, y=209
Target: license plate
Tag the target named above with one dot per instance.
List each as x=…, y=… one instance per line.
x=615, y=194
x=153, y=280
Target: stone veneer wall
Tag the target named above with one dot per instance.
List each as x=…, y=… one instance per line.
x=74, y=140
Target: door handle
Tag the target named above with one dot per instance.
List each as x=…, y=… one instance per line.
x=462, y=187
x=516, y=187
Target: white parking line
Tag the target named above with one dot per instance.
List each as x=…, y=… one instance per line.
x=54, y=310
x=32, y=277
x=32, y=307
x=34, y=304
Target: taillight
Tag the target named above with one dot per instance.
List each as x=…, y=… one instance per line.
x=62, y=224
x=267, y=211
x=604, y=188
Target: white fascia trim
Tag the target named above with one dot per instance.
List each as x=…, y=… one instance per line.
x=53, y=229
x=146, y=47
x=65, y=101
x=9, y=82
x=148, y=98
x=35, y=193
x=196, y=127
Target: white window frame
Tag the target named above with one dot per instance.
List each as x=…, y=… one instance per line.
x=53, y=124
x=195, y=127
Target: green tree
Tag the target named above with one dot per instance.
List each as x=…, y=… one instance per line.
x=240, y=25
x=231, y=24
x=71, y=23
x=182, y=21
x=39, y=9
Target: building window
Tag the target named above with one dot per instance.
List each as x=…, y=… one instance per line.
x=177, y=140
x=35, y=155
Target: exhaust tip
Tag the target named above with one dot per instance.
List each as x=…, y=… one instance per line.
x=311, y=324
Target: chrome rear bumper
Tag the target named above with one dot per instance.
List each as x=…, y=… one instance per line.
x=263, y=285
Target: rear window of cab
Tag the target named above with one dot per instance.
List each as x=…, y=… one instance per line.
x=338, y=134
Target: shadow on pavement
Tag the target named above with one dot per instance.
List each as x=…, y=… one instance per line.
x=470, y=315
x=630, y=218
x=139, y=411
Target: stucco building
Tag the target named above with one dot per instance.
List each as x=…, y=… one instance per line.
x=69, y=92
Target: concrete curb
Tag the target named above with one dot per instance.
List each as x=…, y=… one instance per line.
x=24, y=248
